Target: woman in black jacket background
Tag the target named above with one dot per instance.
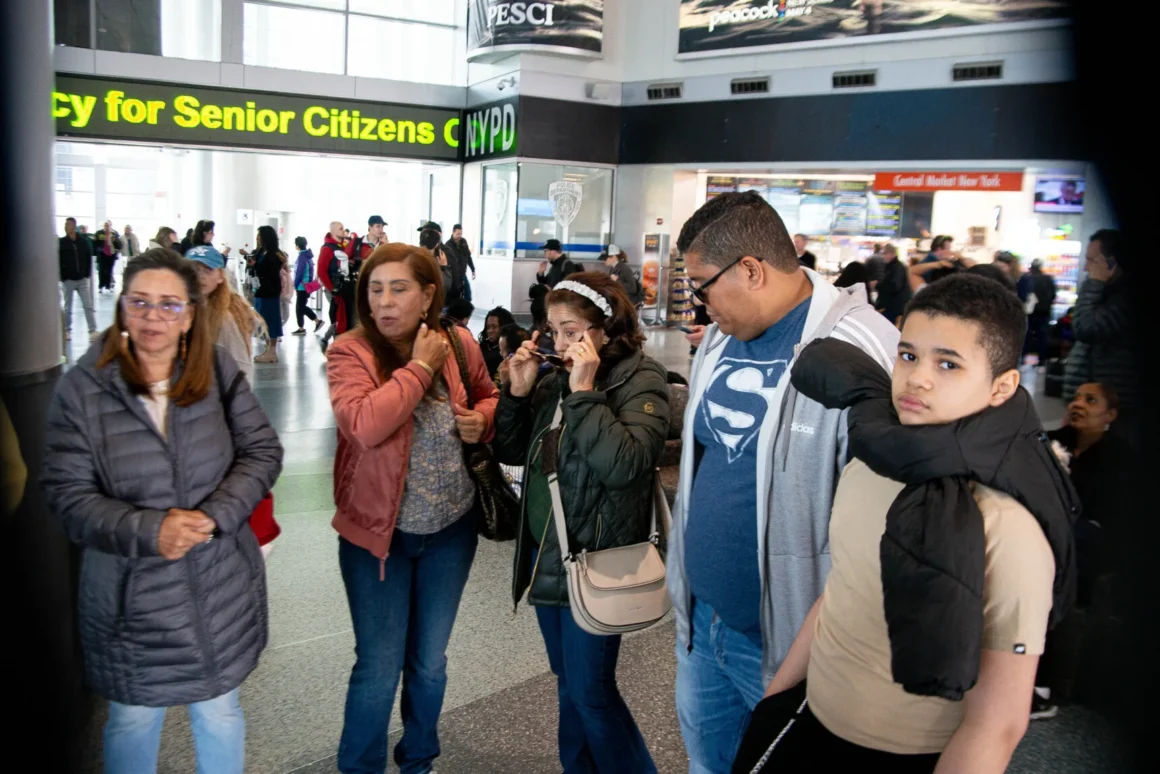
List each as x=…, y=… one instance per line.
x=268, y=261
x=615, y=418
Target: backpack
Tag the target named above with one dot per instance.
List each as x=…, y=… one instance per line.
x=637, y=294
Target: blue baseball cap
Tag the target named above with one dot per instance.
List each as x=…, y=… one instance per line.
x=206, y=255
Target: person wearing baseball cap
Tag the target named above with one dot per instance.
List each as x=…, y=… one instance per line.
x=618, y=268
x=232, y=320
x=430, y=226
x=557, y=266
x=376, y=231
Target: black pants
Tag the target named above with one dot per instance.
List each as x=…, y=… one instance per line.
x=1038, y=340
x=105, y=265
x=783, y=728
x=302, y=309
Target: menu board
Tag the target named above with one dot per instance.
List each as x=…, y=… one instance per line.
x=883, y=213
x=758, y=184
x=785, y=196
x=816, y=215
x=850, y=207
x=715, y=186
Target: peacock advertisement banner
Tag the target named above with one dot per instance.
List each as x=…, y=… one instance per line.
x=571, y=27
x=718, y=25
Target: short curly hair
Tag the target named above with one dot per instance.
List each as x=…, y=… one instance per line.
x=973, y=298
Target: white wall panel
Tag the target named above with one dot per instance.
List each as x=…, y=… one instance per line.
x=116, y=64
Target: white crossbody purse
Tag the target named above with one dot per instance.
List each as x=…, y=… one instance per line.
x=616, y=590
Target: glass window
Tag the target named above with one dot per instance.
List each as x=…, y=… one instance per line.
x=402, y=51
x=73, y=23
x=499, y=209
x=186, y=29
x=192, y=29
x=437, y=11
x=292, y=38
x=572, y=204
x=326, y=5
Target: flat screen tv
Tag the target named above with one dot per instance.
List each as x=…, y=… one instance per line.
x=1059, y=194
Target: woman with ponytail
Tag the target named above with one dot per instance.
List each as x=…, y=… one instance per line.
x=155, y=455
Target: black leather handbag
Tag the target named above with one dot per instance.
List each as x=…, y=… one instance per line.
x=497, y=502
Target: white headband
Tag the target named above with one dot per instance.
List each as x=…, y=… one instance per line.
x=583, y=290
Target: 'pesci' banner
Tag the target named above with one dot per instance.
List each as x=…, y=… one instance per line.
x=715, y=25
x=574, y=27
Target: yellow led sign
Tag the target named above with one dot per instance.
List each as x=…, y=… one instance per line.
x=203, y=116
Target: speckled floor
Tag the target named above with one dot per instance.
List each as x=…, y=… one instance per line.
x=499, y=716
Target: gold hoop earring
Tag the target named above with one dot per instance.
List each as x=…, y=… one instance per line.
x=183, y=347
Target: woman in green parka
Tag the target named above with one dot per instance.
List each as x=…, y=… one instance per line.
x=615, y=418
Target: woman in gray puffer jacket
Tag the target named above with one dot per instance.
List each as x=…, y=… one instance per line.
x=156, y=454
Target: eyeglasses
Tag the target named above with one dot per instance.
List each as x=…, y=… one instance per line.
x=701, y=293
x=169, y=311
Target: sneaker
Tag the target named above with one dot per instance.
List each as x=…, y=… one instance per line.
x=299, y=332
x=323, y=344
x=94, y=335
x=1042, y=709
x=318, y=325
x=269, y=356
x=68, y=335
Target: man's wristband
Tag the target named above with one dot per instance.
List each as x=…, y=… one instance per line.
x=425, y=365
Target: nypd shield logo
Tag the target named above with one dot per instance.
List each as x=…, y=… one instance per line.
x=565, y=197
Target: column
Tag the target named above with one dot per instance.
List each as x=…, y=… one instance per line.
x=39, y=564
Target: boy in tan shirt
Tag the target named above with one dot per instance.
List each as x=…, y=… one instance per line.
x=957, y=357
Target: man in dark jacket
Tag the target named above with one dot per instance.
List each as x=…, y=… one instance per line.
x=107, y=245
x=76, y=276
x=463, y=251
x=557, y=266
x=1104, y=333
x=460, y=251
x=894, y=287
x=1039, y=318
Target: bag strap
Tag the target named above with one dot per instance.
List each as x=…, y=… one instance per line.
x=658, y=498
x=554, y=489
x=461, y=360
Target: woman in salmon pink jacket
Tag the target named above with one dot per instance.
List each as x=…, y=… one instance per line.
x=406, y=514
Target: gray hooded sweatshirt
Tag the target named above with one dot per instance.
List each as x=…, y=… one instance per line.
x=801, y=453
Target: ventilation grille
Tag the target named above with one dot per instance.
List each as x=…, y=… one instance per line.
x=749, y=86
x=979, y=71
x=855, y=80
x=664, y=91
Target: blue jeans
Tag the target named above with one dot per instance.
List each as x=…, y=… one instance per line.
x=401, y=626
x=719, y=683
x=597, y=733
x=133, y=736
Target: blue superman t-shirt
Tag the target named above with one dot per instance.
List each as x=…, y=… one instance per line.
x=721, y=533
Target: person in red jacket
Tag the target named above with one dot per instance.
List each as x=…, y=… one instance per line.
x=405, y=506
x=334, y=242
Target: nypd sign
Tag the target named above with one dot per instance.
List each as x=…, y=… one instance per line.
x=489, y=131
